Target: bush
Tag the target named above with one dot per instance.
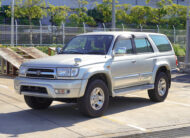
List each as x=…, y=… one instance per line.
x=179, y=50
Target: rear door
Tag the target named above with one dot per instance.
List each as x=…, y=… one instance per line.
x=145, y=59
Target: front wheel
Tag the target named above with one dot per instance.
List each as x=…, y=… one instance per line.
x=96, y=99
x=161, y=87
x=37, y=102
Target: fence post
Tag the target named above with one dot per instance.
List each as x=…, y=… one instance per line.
x=141, y=27
x=16, y=33
x=123, y=27
x=174, y=34
x=63, y=33
x=158, y=28
x=104, y=26
x=84, y=27
x=40, y=32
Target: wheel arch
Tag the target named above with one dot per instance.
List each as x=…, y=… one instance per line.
x=163, y=68
x=102, y=76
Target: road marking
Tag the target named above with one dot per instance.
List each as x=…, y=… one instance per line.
x=113, y=120
x=187, y=105
x=121, y=123
x=136, y=127
x=4, y=86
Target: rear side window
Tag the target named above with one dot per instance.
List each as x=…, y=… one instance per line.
x=161, y=42
x=143, y=45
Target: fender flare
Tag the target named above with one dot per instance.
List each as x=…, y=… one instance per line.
x=157, y=67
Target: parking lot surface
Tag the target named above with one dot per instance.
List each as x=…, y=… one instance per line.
x=131, y=116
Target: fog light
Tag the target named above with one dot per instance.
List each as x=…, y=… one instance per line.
x=62, y=91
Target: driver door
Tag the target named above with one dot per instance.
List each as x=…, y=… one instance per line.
x=123, y=69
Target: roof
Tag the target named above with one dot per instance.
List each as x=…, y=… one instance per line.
x=120, y=33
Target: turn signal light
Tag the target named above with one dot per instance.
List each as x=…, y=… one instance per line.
x=62, y=91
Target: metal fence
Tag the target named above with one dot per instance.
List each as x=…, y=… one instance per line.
x=58, y=35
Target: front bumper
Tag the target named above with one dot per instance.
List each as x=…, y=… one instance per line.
x=76, y=87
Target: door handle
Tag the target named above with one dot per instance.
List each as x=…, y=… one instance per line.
x=133, y=61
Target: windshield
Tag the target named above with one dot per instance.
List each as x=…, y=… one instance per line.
x=89, y=44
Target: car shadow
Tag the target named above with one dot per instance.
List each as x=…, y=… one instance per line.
x=60, y=115
x=181, y=78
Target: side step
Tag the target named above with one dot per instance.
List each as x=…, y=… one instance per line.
x=123, y=91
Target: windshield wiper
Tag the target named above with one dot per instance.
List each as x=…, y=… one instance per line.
x=72, y=52
x=95, y=52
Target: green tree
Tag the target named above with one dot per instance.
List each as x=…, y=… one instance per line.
x=122, y=15
x=29, y=9
x=105, y=11
x=177, y=15
x=158, y=14
x=80, y=15
x=138, y=14
x=102, y=13
x=58, y=14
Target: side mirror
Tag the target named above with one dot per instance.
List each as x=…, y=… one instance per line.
x=120, y=51
x=58, y=50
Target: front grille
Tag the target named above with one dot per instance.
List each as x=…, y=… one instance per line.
x=40, y=73
x=33, y=89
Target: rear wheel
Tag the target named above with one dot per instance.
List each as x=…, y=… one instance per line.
x=161, y=87
x=37, y=102
x=96, y=99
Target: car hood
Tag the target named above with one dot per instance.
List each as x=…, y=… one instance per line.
x=66, y=60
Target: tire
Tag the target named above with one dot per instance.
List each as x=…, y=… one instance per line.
x=86, y=103
x=159, y=94
x=37, y=103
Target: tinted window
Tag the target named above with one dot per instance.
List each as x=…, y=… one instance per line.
x=161, y=42
x=123, y=44
x=143, y=45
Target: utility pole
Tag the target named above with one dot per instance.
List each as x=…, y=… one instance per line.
x=136, y=3
x=187, y=57
x=12, y=22
x=113, y=15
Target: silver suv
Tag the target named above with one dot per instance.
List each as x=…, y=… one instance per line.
x=95, y=66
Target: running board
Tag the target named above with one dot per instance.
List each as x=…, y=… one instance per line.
x=123, y=91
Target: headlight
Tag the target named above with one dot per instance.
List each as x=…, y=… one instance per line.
x=67, y=72
x=22, y=70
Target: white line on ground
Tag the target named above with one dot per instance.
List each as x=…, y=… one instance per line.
x=122, y=123
x=187, y=105
x=4, y=86
x=136, y=127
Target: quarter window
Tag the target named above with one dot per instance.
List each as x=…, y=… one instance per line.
x=161, y=42
x=143, y=45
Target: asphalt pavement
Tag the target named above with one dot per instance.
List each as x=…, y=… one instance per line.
x=133, y=115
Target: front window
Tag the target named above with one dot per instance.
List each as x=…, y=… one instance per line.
x=89, y=44
x=123, y=46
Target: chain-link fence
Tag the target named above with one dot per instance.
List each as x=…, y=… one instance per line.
x=50, y=35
